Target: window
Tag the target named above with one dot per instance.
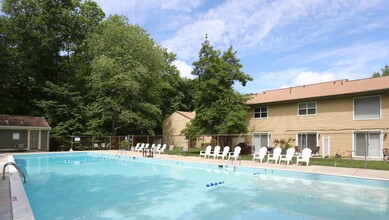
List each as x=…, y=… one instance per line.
x=367, y=108
x=307, y=108
x=260, y=112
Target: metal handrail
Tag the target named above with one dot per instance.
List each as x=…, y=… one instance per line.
x=16, y=166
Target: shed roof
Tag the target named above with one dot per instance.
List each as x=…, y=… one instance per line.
x=190, y=115
x=23, y=121
x=319, y=90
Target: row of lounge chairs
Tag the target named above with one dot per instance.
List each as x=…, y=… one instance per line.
x=141, y=147
x=261, y=155
x=216, y=153
x=278, y=158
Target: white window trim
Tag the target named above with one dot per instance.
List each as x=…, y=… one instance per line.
x=298, y=109
x=267, y=108
x=368, y=131
x=367, y=119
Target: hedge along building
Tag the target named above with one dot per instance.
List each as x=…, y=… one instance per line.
x=341, y=116
x=24, y=132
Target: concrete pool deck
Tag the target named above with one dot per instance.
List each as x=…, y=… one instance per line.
x=341, y=171
x=5, y=194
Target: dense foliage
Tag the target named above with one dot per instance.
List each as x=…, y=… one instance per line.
x=219, y=108
x=85, y=75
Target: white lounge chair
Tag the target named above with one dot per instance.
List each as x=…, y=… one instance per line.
x=162, y=149
x=236, y=154
x=151, y=148
x=225, y=152
x=215, y=152
x=146, y=148
x=275, y=156
x=135, y=147
x=288, y=157
x=141, y=147
x=305, y=155
x=156, y=149
x=261, y=154
x=207, y=152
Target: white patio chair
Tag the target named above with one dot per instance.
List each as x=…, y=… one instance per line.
x=275, y=156
x=236, y=154
x=207, y=152
x=288, y=157
x=146, y=148
x=305, y=155
x=151, y=148
x=156, y=149
x=215, y=152
x=261, y=154
x=162, y=149
x=225, y=152
x=140, y=148
x=133, y=148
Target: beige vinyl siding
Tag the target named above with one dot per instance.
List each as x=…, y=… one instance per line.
x=334, y=118
x=172, y=127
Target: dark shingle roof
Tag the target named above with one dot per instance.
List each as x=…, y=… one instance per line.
x=23, y=121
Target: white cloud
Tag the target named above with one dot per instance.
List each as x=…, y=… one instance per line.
x=134, y=8
x=309, y=77
x=267, y=25
x=184, y=68
x=356, y=59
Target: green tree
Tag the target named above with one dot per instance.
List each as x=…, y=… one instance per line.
x=43, y=42
x=65, y=110
x=219, y=108
x=179, y=90
x=125, y=81
x=384, y=72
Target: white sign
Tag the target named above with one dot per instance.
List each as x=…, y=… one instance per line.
x=16, y=136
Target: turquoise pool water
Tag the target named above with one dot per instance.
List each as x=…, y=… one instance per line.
x=96, y=186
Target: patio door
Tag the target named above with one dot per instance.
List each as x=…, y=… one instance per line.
x=260, y=140
x=309, y=140
x=367, y=143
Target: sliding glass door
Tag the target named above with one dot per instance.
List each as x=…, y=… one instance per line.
x=260, y=140
x=307, y=140
x=367, y=143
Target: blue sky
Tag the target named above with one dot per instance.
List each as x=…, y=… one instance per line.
x=280, y=43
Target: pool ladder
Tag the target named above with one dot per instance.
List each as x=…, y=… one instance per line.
x=120, y=153
x=16, y=166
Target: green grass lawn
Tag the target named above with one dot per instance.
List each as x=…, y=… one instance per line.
x=334, y=162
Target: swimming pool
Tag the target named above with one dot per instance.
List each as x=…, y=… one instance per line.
x=96, y=186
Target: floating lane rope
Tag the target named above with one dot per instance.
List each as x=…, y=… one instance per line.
x=214, y=184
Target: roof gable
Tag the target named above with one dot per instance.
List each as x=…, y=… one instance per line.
x=190, y=115
x=23, y=121
x=327, y=89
